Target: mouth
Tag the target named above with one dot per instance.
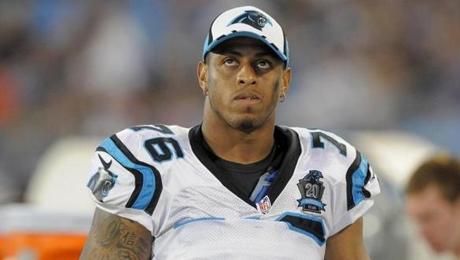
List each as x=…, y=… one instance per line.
x=247, y=98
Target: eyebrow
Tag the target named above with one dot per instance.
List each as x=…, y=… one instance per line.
x=239, y=54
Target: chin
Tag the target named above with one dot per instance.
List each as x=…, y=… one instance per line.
x=246, y=126
x=246, y=123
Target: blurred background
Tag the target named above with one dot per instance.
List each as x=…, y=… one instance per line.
x=383, y=74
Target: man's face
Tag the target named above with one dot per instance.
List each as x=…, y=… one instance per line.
x=437, y=218
x=244, y=81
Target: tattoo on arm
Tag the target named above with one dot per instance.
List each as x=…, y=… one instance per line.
x=114, y=237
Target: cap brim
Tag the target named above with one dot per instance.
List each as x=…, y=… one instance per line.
x=255, y=36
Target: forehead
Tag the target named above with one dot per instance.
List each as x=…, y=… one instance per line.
x=244, y=45
x=427, y=199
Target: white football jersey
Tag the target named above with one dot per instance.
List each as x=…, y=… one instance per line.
x=157, y=176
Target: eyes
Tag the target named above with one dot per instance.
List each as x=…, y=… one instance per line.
x=259, y=64
x=230, y=62
x=264, y=64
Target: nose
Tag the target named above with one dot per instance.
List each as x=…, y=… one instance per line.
x=246, y=76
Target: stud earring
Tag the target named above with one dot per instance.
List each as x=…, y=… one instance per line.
x=282, y=98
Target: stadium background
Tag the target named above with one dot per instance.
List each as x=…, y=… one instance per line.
x=384, y=74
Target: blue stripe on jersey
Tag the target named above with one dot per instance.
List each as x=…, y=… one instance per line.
x=309, y=225
x=261, y=194
x=358, y=179
x=262, y=186
x=180, y=223
x=148, y=176
x=253, y=217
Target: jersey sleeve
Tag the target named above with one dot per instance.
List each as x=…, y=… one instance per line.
x=120, y=183
x=349, y=179
x=354, y=192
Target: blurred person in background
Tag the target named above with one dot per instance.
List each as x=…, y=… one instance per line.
x=237, y=185
x=433, y=201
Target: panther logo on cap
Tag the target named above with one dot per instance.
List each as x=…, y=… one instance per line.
x=252, y=18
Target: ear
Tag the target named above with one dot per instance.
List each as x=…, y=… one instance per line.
x=202, y=75
x=285, y=81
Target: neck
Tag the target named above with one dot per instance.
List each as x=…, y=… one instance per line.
x=237, y=146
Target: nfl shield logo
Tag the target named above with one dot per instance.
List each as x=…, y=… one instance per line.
x=264, y=205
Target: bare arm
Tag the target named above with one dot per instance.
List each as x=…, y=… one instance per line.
x=347, y=244
x=114, y=237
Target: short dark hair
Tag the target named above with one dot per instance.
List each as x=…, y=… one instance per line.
x=442, y=171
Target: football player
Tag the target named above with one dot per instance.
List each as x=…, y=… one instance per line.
x=236, y=186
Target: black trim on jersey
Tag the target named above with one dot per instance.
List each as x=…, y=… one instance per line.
x=349, y=179
x=289, y=162
x=158, y=184
x=308, y=225
x=289, y=139
x=138, y=177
